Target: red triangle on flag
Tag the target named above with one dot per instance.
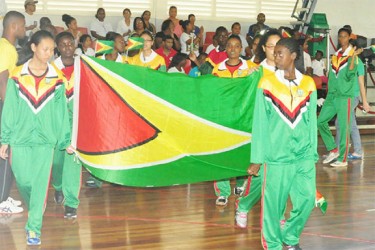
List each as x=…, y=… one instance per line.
x=122, y=132
x=98, y=46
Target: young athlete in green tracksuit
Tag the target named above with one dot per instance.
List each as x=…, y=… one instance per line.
x=284, y=140
x=66, y=170
x=234, y=67
x=244, y=203
x=342, y=81
x=34, y=122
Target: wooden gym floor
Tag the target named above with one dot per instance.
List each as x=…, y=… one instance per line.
x=185, y=217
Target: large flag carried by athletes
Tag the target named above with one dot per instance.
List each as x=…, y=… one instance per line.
x=136, y=126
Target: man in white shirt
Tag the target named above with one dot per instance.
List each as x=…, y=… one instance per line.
x=318, y=65
x=31, y=20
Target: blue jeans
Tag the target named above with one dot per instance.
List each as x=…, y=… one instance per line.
x=354, y=132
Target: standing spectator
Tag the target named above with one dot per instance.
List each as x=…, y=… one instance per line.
x=99, y=28
x=306, y=56
x=84, y=46
x=146, y=15
x=288, y=168
x=41, y=125
x=31, y=20
x=14, y=28
x=342, y=80
x=125, y=26
x=71, y=24
x=173, y=17
x=167, y=28
x=256, y=28
x=166, y=50
x=236, y=30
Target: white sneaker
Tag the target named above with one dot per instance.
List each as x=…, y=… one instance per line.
x=8, y=208
x=14, y=202
x=221, y=201
x=339, y=164
x=331, y=156
x=241, y=219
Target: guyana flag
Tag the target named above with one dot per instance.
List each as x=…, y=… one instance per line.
x=136, y=126
x=135, y=43
x=103, y=46
x=285, y=34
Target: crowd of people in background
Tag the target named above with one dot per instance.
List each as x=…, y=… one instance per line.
x=177, y=47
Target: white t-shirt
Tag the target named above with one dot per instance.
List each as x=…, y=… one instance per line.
x=209, y=48
x=29, y=20
x=118, y=59
x=101, y=28
x=175, y=70
x=123, y=28
x=318, y=67
x=89, y=52
x=185, y=48
x=306, y=60
x=244, y=44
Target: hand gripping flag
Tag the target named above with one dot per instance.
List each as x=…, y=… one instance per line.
x=103, y=46
x=139, y=127
x=135, y=43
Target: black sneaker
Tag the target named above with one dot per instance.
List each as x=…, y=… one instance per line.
x=293, y=247
x=70, y=213
x=59, y=197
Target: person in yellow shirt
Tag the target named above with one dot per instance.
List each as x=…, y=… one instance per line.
x=14, y=28
x=234, y=66
x=147, y=57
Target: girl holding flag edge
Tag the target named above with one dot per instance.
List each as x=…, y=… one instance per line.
x=66, y=171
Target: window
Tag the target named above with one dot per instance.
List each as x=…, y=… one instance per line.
x=83, y=7
x=276, y=10
x=241, y=9
x=200, y=8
